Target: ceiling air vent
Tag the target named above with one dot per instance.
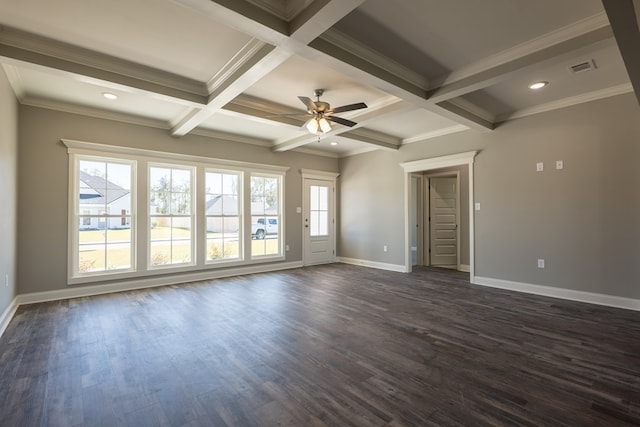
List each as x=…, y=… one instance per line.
x=582, y=67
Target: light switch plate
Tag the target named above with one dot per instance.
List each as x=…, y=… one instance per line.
x=539, y=167
x=478, y=206
x=298, y=210
x=540, y=263
x=559, y=164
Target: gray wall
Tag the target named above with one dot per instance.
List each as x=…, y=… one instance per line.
x=584, y=220
x=43, y=182
x=8, y=188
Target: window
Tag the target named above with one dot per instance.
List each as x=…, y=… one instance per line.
x=199, y=213
x=223, y=215
x=104, y=195
x=170, y=215
x=265, y=215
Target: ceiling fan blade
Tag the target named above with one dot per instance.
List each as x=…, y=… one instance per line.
x=300, y=114
x=311, y=106
x=349, y=107
x=340, y=120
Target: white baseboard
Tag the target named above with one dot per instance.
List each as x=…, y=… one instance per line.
x=7, y=315
x=373, y=264
x=150, y=282
x=568, y=294
x=464, y=267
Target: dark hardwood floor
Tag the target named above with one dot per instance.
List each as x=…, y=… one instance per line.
x=329, y=345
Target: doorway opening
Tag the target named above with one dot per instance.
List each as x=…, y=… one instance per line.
x=419, y=233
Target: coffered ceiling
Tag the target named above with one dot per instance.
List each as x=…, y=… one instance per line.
x=234, y=69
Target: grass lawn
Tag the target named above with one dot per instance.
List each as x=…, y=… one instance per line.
x=118, y=256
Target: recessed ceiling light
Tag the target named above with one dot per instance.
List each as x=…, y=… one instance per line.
x=538, y=85
x=333, y=143
x=109, y=95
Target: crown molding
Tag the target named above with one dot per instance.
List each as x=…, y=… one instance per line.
x=97, y=113
x=316, y=152
x=359, y=151
x=473, y=109
x=15, y=80
x=568, y=102
x=226, y=136
x=435, y=134
x=552, y=38
x=362, y=51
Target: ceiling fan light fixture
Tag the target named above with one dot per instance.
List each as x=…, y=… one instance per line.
x=333, y=143
x=109, y=95
x=324, y=125
x=312, y=126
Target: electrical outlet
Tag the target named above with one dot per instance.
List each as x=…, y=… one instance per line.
x=384, y=248
x=286, y=248
x=540, y=263
x=539, y=167
x=477, y=206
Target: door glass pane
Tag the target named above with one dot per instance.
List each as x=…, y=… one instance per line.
x=318, y=210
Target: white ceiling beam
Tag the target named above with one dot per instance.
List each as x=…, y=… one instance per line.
x=281, y=35
x=623, y=17
x=344, y=60
x=361, y=62
x=319, y=17
x=260, y=64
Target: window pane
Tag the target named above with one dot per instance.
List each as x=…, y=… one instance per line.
x=213, y=183
x=181, y=252
x=160, y=253
x=180, y=203
x=258, y=247
x=230, y=184
x=314, y=223
x=323, y=223
x=323, y=198
x=313, y=197
x=117, y=199
x=104, y=242
x=181, y=180
x=159, y=203
x=119, y=175
x=159, y=179
x=229, y=205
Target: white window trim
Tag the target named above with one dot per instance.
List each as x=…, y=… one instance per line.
x=73, y=206
x=193, y=171
x=280, y=256
x=142, y=158
x=241, y=213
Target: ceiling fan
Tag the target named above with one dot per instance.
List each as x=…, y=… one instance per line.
x=321, y=113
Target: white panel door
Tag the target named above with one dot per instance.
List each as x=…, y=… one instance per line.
x=443, y=198
x=318, y=221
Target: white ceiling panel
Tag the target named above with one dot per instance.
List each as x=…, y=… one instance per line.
x=300, y=77
x=86, y=92
x=410, y=124
x=455, y=33
x=266, y=130
x=513, y=95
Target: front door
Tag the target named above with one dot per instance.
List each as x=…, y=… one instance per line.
x=443, y=213
x=318, y=221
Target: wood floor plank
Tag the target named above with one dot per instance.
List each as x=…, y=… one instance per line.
x=321, y=346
